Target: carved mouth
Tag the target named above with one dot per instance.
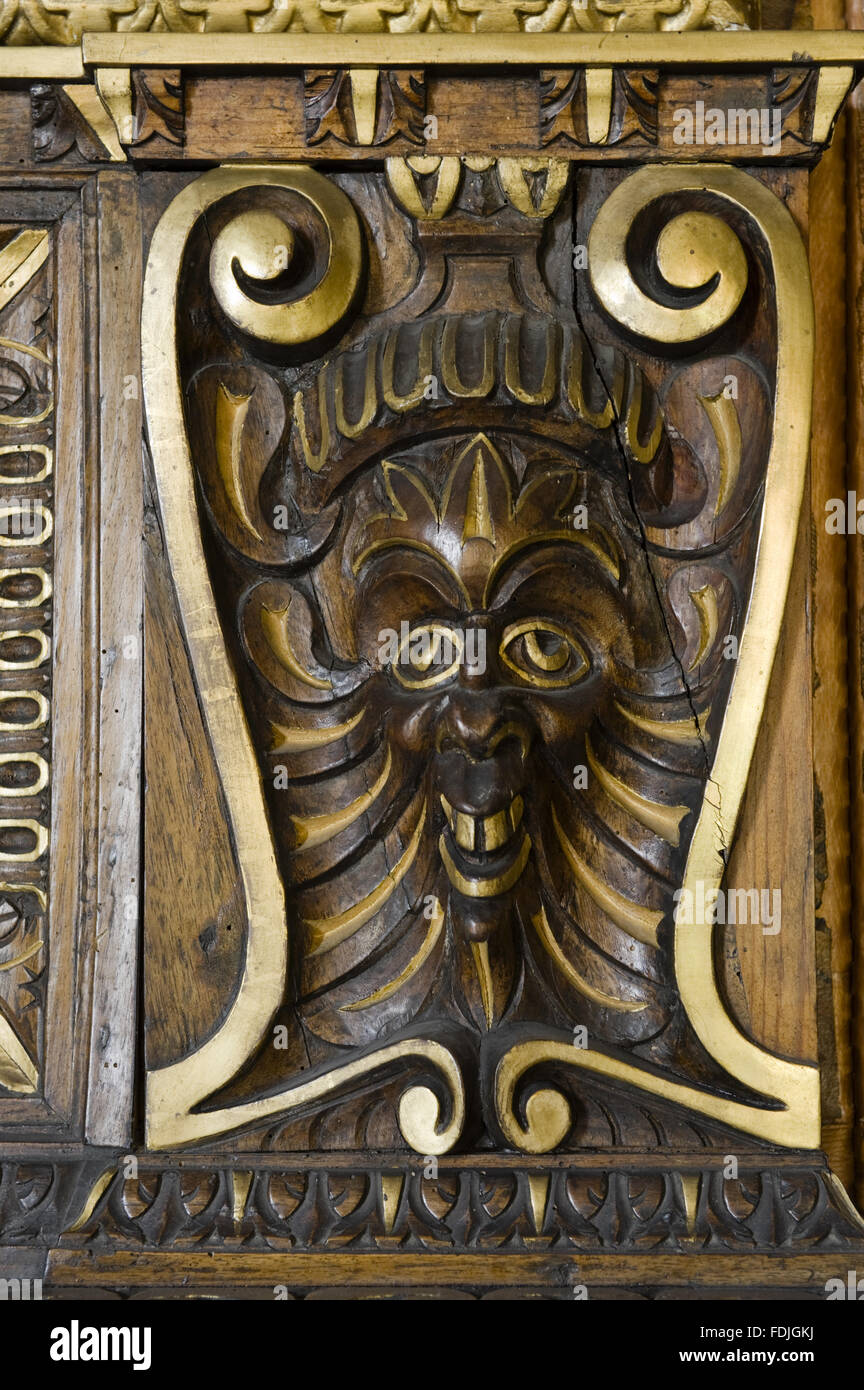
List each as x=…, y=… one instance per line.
x=483, y=835
x=484, y=855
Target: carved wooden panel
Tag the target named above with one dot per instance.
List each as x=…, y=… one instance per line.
x=480, y=548
x=444, y=425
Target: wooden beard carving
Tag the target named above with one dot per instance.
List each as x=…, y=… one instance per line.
x=478, y=580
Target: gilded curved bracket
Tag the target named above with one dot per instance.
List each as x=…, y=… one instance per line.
x=693, y=249
x=174, y=1092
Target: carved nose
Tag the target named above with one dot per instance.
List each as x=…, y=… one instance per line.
x=477, y=727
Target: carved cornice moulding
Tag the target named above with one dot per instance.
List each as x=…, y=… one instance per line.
x=572, y=95
x=46, y=22
x=674, y=50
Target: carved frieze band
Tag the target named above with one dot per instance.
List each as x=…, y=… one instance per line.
x=40, y=21
x=135, y=1203
x=26, y=548
x=572, y=112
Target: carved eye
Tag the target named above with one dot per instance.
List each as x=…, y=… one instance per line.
x=429, y=655
x=543, y=654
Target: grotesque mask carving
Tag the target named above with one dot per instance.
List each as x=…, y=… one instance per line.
x=477, y=584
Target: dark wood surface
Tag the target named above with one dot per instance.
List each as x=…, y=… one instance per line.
x=146, y=927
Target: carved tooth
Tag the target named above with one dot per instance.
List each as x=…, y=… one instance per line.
x=464, y=829
x=484, y=887
x=515, y=812
x=496, y=830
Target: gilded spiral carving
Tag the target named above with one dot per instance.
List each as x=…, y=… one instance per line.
x=258, y=249
x=694, y=251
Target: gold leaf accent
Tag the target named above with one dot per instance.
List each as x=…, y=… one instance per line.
x=325, y=933
x=571, y=974
x=288, y=740
x=317, y=830
x=639, y=922
x=436, y=922
x=664, y=820
x=723, y=418
x=19, y=261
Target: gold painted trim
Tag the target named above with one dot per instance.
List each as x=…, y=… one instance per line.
x=287, y=740
x=664, y=820
x=671, y=730
x=632, y=918
x=23, y=958
x=44, y=472
x=173, y=1091
x=795, y=1084
x=571, y=974
x=327, y=932
x=831, y=91
x=317, y=830
x=38, y=893
x=417, y=960
x=42, y=63
x=723, y=418
x=734, y=49
x=91, y=1201
x=89, y=102
x=480, y=955
x=17, y=1072
x=273, y=627
x=548, y=1112
x=31, y=788
x=231, y=412
x=19, y=261
x=9, y=726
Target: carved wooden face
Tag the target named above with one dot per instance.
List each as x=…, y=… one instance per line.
x=475, y=570
x=476, y=650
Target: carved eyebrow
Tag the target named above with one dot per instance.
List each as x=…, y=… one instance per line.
x=606, y=557
x=408, y=543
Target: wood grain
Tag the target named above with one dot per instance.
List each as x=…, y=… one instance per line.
x=114, y=1020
